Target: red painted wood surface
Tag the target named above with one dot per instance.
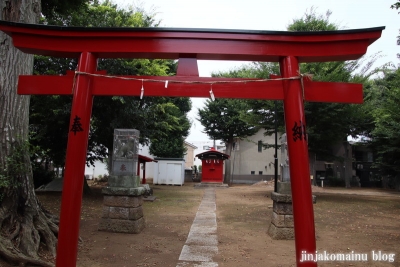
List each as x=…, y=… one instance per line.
x=295, y=122
x=169, y=43
x=212, y=166
x=212, y=171
x=268, y=90
x=71, y=200
x=142, y=160
x=187, y=67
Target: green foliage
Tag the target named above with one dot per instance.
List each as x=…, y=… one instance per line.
x=41, y=175
x=261, y=112
x=226, y=119
x=153, y=117
x=15, y=168
x=327, y=123
x=56, y=8
x=102, y=178
x=385, y=109
x=256, y=70
x=172, y=126
x=168, y=148
x=312, y=22
x=222, y=119
x=330, y=123
x=395, y=5
x=49, y=123
x=85, y=13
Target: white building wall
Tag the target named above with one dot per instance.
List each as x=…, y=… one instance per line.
x=189, y=155
x=168, y=171
x=145, y=151
x=99, y=168
x=247, y=158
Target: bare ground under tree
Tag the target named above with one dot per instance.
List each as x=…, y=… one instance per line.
x=359, y=220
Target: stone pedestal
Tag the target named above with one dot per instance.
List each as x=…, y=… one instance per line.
x=122, y=206
x=282, y=224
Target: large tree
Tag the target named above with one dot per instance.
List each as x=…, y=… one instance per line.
x=25, y=224
x=397, y=7
x=327, y=124
x=261, y=112
x=157, y=118
x=169, y=143
x=383, y=104
x=222, y=120
x=330, y=124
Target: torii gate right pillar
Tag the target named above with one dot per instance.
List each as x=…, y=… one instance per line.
x=303, y=214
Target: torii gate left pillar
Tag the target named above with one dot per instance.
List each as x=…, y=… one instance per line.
x=295, y=124
x=75, y=163
x=289, y=49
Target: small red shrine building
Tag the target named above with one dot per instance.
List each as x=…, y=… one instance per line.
x=212, y=166
x=142, y=160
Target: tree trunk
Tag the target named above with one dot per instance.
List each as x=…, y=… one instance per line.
x=228, y=165
x=24, y=224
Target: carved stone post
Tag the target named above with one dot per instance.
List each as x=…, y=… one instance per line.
x=123, y=200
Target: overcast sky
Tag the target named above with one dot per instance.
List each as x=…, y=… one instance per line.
x=271, y=15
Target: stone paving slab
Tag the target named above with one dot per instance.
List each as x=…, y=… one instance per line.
x=211, y=185
x=203, y=239
x=197, y=264
x=198, y=253
x=206, y=216
x=202, y=242
x=202, y=229
x=207, y=221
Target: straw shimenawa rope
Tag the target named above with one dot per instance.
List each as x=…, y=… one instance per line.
x=166, y=81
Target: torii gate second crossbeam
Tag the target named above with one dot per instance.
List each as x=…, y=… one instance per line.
x=188, y=45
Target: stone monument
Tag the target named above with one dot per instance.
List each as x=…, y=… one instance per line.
x=285, y=160
x=282, y=224
x=123, y=197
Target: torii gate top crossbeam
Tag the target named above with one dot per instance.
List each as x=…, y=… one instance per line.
x=206, y=44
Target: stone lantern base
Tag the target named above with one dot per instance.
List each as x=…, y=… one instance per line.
x=282, y=223
x=122, y=210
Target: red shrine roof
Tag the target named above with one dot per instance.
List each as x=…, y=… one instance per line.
x=212, y=154
x=145, y=159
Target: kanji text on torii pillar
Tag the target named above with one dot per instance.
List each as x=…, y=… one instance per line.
x=188, y=45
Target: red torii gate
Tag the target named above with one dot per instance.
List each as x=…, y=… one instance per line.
x=188, y=45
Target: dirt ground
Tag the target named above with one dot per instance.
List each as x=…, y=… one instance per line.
x=359, y=220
